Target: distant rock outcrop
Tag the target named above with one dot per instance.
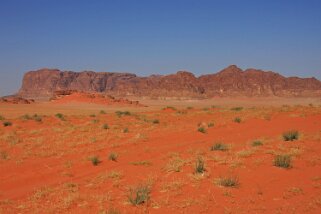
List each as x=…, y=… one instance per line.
x=230, y=82
x=15, y=100
x=73, y=96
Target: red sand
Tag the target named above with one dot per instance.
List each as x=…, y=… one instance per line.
x=45, y=168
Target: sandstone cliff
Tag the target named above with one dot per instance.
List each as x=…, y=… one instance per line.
x=231, y=81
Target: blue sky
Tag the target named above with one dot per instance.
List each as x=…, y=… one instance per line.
x=158, y=36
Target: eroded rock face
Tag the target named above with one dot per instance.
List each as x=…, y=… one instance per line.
x=231, y=81
x=15, y=100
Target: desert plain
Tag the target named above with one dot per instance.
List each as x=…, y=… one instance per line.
x=220, y=155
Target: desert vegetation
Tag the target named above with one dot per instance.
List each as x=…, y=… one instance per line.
x=283, y=161
x=95, y=160
x=7, y=123
x=291, y=135
x=113, y=156
x=139, y=194
x=98, y=160
x=237, y=120
x=200, y=165
x=257, y=143
x=228, y=181
x=219, y=147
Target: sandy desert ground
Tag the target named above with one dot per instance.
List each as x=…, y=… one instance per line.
x=209, y=156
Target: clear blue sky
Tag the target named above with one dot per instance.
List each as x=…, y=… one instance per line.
x=158, y=36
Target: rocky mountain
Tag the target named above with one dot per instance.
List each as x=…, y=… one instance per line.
x=231, y=81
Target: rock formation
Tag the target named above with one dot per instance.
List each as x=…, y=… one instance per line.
x=15, y=100
x=73, y=96
x=231, y=81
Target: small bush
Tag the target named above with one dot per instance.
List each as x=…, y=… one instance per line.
x=189, y=107
x=257, y=143
x=283, y=161
x=126, y=130
x=291, y=135
x=141, y=163
x=34, y=117
x=2, y=117
x=228, y=181
x=92, y=115
x=201, y=129
x=156, y=121
x=200, y=165
x=113, y=156
x=3, y=155
x=26, y=117
x=37, y=118
x=210, y=124
x=219, y=147
x=60, y=116
x=170, y=107
x=237, y=120
x=139, y=195
x=95, y=121
x=181, y=112
x=105, y=126
x=102, y=112
x=122, y=113
x=95, y=160
x=237, y=109
x=113, y=210
x=7, y=123
x=175, y=164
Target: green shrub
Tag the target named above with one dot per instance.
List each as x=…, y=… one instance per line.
x=122, y=113
x=139, y=195
x=113, y=156
x=141, y=163
x=181, y=112
x=219, y=147
x=201, y=129
x=37, y=118
x=95, y=121
x=237, y=120
x=126, y=130
x=95, y=160
x=170, y=107
x=4, y=155
x=257, y=143
x=26, y=117
x=210, y=124
x=291, y=135
x=34, y=117
x=199, y=165
x=283, y=161
x=7, y=123
x=156, y=121
x=105, y=126
x=228, y=181
x=60, y=116
x=237, y=109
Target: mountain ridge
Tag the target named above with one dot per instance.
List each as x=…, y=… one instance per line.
x=228, y=82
